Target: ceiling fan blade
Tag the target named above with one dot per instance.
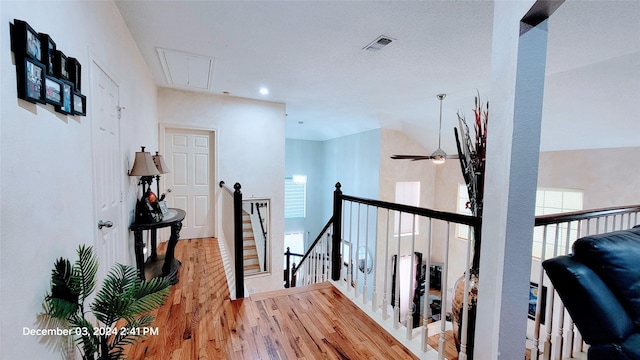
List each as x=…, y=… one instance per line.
x=411, y=157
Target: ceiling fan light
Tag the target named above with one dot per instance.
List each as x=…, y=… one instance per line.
x=439, y=156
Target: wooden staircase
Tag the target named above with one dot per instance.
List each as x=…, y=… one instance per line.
x=249, y=250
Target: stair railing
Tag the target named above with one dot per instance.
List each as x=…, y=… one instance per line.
x=232, y=229
x=559, y=231
x=315, y=264
x=290, y=268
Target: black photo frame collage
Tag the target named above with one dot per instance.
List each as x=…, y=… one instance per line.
x=45, y=74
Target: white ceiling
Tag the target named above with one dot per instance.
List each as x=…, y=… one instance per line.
x=309, y=54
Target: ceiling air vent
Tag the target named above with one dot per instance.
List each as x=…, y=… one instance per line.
x=378, y=44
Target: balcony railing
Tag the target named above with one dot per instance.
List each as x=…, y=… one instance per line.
x=364, y=248
x=554, y=335
x=368, y=253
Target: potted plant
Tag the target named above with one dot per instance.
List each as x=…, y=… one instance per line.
x=118, y=315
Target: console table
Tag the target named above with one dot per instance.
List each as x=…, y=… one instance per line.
x=156, y=265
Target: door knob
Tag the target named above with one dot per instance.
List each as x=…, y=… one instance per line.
x=102, y=224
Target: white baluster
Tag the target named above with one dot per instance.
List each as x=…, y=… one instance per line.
x=374, y=294
x=571, y=338
x=412, y=281
x=385, y=295
x=536, y=336
x=396, y=308
x=548, y=346
x=427, y=286
x=443, y=286
x=356, y=289
x=366, y=258
x=344, y=244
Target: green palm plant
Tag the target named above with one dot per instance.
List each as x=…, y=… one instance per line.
x=124, y=299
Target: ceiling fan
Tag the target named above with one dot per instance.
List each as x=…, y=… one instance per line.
x=438, y=156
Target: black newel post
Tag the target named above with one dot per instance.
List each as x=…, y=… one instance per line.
x=336, y=261
x=294, y=277
x=237, y=239
x=287, y=274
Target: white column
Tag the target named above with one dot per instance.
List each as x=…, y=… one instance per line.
x=515, y=112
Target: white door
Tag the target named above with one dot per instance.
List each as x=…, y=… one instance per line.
x=108, y=172
x=190, y=155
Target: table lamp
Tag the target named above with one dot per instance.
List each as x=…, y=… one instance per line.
x=144, y=167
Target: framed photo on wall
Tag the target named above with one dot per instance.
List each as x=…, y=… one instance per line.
x=48, y=52
x=67, y=97
x=75, y=73
x=44, y=74
x=79, y=104
x=30, y=76
x=25, y=41
x=52, y=91
x=60, y=66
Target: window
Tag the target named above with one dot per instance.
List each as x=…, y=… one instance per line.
x=555, y=201
x=295, y=243
x=295, y=196
x=407, y=193
x=548, y=201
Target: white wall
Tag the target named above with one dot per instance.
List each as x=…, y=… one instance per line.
x=251, y=148
x=354, y=161
x=46, y=170
x=305, y=157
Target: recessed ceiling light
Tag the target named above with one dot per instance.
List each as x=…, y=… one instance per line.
x=264, y=91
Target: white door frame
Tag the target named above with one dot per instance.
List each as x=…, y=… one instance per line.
x=213, y=191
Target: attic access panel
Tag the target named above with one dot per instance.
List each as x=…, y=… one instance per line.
x=186, y=70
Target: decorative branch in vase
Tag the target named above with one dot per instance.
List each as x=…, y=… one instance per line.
x=472, y=154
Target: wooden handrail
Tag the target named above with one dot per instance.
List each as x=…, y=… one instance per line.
x=435, y=214
x=585, y=214
x=264, y=234
x=225, y=186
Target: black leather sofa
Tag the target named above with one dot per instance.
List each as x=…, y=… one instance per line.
x=599, y=284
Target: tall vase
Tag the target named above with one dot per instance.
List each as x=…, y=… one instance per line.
x=457, y=308
x=457, y=305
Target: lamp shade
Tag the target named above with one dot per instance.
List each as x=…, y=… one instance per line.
x=162, y=167
x=143, y=165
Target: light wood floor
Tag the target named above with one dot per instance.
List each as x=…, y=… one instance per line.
x=199, y=321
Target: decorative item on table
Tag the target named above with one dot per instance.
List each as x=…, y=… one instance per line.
x=472, y=155
x=147, y=209
x=162, y=167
